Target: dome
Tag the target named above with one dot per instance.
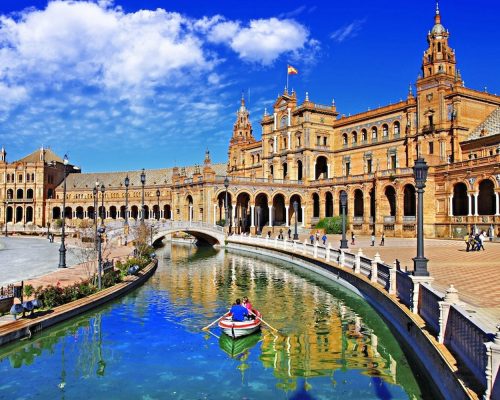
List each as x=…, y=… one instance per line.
x=438, y=29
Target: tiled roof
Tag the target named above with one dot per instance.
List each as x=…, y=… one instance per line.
x=35, y=156
x=154, y=177
x=489, y=127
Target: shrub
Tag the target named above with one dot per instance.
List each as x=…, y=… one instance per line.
x=57, y=223
x=221, y=222
x=53, y=296
x=28, y=290
x=331, y=224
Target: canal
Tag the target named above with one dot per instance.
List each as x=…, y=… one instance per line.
x=149, y=344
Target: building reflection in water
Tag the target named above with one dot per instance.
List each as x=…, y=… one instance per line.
x=321, y=334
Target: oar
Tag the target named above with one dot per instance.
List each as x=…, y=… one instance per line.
x=209, y=325
x=273, y=328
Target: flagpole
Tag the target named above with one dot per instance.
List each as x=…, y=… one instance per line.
x=287, y=78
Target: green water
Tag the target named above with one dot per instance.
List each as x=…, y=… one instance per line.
x=149, y=344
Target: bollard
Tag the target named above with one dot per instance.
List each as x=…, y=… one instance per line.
x=357, y=262
x=374, y=272
x=451, y=297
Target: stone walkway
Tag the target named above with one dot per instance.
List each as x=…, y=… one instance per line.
x=476, y=275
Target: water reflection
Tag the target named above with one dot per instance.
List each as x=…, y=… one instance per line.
x=149, y=343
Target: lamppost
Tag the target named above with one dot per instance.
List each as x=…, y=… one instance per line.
x=343, y=202
x=95, y=193
x=420, y=262
x=6, y=202
x=296, y=211
x=143, y=182
x=103, y=213
x=62, y=249
x=127, y=183
x=226, y=185
x=100, y=232
x=158, y=204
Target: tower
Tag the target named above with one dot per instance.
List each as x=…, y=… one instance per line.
x=242, y=135
x=3, y=155
x=439, y=59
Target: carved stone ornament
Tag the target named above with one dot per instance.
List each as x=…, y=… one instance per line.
x=472, y=180
x=497, y=177
x=429, y=97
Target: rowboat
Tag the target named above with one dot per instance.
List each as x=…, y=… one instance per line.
x=236, y=347
x=236, y=329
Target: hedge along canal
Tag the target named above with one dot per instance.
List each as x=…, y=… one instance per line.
x=149, y=344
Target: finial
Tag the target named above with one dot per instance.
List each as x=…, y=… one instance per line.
x=333, y=102
x=265, y=111
x=437, y=7
x=307, y=96
x=286, y=90
x=410, y=90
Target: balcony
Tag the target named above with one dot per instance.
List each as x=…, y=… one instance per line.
x=427, y=129
x=389, y=219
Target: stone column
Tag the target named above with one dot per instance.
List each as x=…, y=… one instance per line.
x=497, y=203
x=327, y=170
x=303, y=216
x=252, y=216
x=275, y=121
x=233, y=214
x=289, y=119
x=469, y=196
x=476, y=198
x=286, y=216
x=215, y=214
x=270, y=216
x=450, y=211
x=289, y=144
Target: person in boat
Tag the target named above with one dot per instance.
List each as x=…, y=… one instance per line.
x=238, y=311
x=248, y=305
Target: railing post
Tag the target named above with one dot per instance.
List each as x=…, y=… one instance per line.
x=305, y=247
x=315, y=253
x=284, y=244
x=357, y=262
x=417, y=281
x=275, y=242
x=451, y=297
x=328, y=252
x=374, y=272
x=492, y=366
x=392, y=277
x=294, y=245
x=341, y=258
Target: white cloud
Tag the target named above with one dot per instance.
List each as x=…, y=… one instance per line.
x=263, y=41
x=98, y=44
x=347, y=31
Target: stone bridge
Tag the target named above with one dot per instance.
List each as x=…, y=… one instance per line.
x=213, y=235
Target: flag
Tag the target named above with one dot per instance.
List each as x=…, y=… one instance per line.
x=292, y=70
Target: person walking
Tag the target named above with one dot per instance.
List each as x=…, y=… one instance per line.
x=353, y=238
x=482, y=237
x=289, y=233
x=324, y=239
x=373, y=239
x=382, y=239
x=467, y=242
x=311, y=238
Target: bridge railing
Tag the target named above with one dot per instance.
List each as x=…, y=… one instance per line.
x=465, y=336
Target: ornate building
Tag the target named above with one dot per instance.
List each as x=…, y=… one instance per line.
x=309, y=155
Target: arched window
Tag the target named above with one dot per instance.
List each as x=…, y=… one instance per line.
x=354, y=136
x=19, y=193
x=315, y=205
x=374, y=133
x=385, y=131
x=396, y=129
x=29, y=194
x=299, y=170
x=344, y=139
x=10, y=194
x=364, y=135
x=283, y=122
x=285, y=170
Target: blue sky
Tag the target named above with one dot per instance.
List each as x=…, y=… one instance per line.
x=122, y=85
